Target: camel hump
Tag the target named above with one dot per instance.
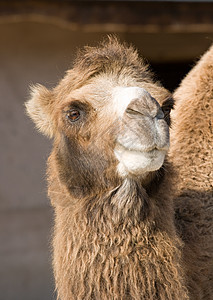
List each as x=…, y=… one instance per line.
x=192, y=131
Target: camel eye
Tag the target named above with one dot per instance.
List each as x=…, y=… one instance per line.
x=73, y=115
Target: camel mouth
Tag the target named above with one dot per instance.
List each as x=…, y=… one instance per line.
x=137, y=162
x=139, y=148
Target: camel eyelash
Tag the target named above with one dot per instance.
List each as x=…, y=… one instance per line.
x=168, y=105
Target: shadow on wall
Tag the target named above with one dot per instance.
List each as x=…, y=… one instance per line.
x=31, y=53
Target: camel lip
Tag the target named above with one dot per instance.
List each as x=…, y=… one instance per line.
x=147, y=150
x=138, y=162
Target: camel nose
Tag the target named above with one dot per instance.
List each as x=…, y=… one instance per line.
x=145, y=106
x=160, y=114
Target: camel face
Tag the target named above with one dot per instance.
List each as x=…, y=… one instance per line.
x=114, y=132
x=104, y=119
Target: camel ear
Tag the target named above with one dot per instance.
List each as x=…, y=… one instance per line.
x=39, y=109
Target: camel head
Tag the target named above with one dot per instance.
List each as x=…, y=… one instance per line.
x=108, y=117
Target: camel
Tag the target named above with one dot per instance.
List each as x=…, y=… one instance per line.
x=133, y=219
x=191, y=155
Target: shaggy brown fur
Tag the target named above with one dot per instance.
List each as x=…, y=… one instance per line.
x=115, y=238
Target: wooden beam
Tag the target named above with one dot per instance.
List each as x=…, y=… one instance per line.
x=123, y=16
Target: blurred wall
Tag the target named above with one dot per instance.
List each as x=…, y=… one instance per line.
x=39, y=51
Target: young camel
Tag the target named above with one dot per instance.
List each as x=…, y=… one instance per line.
x=115, y=234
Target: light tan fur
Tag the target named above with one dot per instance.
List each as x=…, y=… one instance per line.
x=191, y=154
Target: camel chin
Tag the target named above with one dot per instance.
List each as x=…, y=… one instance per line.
x=138, y=162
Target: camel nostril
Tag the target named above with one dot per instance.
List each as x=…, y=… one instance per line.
x=145, y=106
x=133, y=111
x=160, y=114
